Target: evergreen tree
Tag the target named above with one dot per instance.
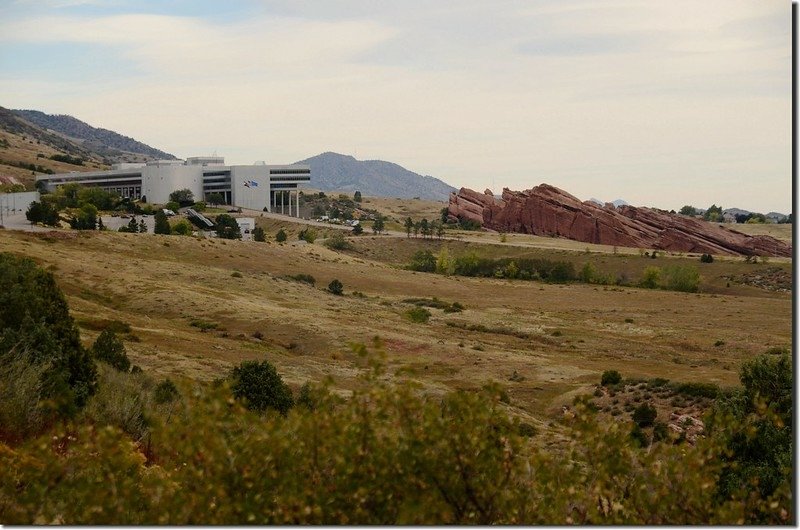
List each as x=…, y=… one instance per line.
x=409, y=226
x=109, y=349
x=162, y=224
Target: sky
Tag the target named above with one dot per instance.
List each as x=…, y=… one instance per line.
x=658, y=103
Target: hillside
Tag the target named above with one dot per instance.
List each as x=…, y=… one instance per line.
x=98, y=140
x=26, y=150
x=336, y=172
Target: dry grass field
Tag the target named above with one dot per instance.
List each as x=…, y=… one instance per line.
x=22, y=149
x=555, y=340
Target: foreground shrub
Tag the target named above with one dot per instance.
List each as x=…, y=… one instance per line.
x=36, y=328
x=122, y=401
x=644, y=415
x=260, y=386
x=388, y=454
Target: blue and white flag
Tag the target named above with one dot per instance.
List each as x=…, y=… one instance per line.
x=250, y=184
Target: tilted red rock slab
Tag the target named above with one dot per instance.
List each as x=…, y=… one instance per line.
x=548, y=211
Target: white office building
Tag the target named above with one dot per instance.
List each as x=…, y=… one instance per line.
x=258, y=186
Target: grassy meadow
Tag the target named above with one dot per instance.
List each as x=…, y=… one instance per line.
x=197, y=307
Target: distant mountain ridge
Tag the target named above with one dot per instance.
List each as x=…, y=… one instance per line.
x=98, y=140
x=333, y=171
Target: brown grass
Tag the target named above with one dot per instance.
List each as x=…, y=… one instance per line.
x=507, y=326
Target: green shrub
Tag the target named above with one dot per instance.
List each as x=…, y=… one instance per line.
x=526, y=430
x=336, y=287
x=651, y=277
x=610, y=377
x=420, y=315
x=227, y=227
x=122, y=400
x=682, y=278
x=644, y=415
x=280, y=237
x=706, y=390
x=305, y=278
x=423, y=261
x=309, y=235
x=35, y=326
x=707, y=258
x=337, y=241
x=261, y=388
x=639, y=437
x=182, y=228
x=778, y=350
x=202, y=325
x=109, y=349
x=259, y=235
x=166, y=392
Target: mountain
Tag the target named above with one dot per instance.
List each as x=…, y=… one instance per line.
x=617, y=203
x=101, y=141
x=735, y=211
x=336, y=172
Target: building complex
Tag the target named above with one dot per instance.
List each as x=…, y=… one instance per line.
x=257, y=186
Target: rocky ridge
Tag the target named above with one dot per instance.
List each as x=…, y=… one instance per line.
x=549, y=211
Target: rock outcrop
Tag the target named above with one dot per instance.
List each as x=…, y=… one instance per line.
x=548, y=211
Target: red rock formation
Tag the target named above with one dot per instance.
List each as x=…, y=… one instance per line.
x=548, y=211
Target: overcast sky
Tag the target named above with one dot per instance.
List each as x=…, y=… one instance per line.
x=659, y=103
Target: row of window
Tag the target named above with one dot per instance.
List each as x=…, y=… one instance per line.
x=289, y=171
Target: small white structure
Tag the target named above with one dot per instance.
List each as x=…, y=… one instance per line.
x=246, y=226
x=14, y=203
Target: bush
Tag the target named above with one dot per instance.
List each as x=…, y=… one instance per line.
x=109, y=349
x=122, y=400
x=259, y=235
x=280, y=237
x=166, y=392
x=338, y=242
x=610, y=377
x=182, y=228
x=36, y=328
x=261, y=388
x=705, y=390
x=682, y=278
x=419, y=315
x=182, y=197
x=651, y=277
x=336, y=287
x=309, y=235
x=227, y=227
x=423, y=261
x=639, y=437
x=644, y=415
x=707, y=258
x=305, y=278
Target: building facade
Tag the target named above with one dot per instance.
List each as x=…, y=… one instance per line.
x=258, y=186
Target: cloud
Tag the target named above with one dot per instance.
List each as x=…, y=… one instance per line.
x=624, y=98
